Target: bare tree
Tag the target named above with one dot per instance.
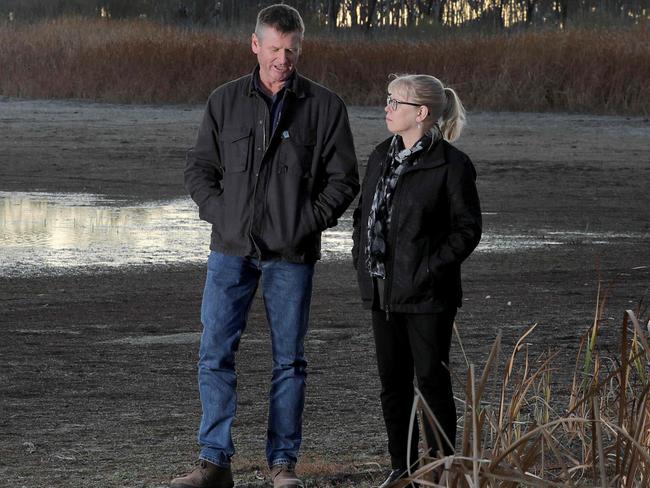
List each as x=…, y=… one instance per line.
x=332, y=11
x=365, y=14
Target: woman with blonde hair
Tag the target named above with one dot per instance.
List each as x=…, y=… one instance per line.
x=417, y=219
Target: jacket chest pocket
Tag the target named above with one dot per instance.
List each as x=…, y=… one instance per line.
x=296, y=152
x=234, y=144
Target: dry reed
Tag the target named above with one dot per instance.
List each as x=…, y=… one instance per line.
x=602, y=439
x=138, y=61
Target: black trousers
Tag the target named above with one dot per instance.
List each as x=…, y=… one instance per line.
x=406, y=343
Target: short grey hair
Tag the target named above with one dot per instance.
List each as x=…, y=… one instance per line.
x=283, y=18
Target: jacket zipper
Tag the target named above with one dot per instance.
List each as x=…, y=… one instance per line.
x=393, y=246
x=257, y=178
x=265, y=143
x=390, y=264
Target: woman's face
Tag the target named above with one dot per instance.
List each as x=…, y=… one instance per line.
x=402, y=119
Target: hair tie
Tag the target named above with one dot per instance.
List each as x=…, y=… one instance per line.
x=448, y=101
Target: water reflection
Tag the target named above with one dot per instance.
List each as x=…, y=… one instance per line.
x=47, y=232
x=50, y=233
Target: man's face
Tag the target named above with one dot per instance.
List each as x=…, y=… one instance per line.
x=277, y=54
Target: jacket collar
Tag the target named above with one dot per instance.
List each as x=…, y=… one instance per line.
x=433, y=156
x=296, y=84
x=430, y=158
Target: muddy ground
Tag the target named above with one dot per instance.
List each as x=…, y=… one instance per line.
x=98, y=370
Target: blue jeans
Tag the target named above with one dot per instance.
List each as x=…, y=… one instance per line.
x=229, y=290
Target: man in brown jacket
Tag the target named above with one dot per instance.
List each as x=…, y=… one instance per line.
x=273, y=166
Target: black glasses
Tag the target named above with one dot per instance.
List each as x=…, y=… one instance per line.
x=393, y=104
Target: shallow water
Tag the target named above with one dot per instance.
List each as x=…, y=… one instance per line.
x=54, y=233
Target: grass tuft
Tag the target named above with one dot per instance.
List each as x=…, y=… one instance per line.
x=601, y=439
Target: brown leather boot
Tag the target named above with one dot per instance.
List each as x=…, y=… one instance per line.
x=284, y=476
x=205, y=475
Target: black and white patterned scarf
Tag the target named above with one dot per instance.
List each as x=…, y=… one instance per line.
x=398, y=160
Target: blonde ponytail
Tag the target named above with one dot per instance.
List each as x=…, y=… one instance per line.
x=453, y=116
x=445, y=108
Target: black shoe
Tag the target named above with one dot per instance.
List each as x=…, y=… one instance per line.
x=396, y=479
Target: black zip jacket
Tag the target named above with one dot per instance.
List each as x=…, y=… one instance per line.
x=272, y=194
x=435, y=225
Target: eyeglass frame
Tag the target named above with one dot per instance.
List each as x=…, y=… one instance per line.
x=393, y=103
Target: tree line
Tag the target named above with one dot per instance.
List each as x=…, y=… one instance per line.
x=364, y=15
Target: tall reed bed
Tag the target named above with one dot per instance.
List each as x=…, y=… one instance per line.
x=603, y=71
x=523, y=437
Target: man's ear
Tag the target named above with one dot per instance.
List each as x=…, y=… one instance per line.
x=255, y=43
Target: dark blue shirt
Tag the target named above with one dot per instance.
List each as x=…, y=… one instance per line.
x=274, y=103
